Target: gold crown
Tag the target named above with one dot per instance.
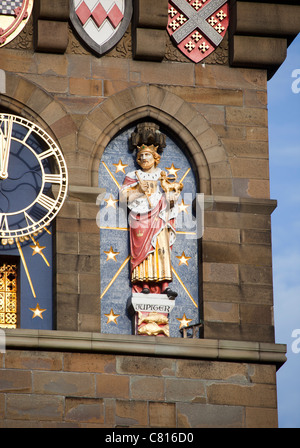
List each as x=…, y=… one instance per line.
x=150, y=148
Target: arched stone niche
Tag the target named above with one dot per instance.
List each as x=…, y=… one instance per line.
x=181, y=119
x=118, y=160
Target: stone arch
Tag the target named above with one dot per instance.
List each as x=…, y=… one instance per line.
x=29, y=100
x=148, y=101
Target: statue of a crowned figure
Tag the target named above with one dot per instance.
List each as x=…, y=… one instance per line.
x=152, y=200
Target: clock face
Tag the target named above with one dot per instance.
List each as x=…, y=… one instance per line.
x=33, y=178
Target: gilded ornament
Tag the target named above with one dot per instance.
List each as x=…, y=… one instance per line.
x=183, y=259
x=184, y=321
x=112, y=317
x=37, y=311
x=111, y=255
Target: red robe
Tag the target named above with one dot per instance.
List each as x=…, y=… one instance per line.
x=144, y=227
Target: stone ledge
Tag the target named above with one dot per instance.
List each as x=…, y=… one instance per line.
x=239, y=204
x=86, y=194
x=237, y=351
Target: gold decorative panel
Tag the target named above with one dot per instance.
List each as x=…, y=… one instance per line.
x=8, y=295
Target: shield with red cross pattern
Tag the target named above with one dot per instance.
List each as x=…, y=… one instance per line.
x=14, y=14
x=100, y=23
x=197, y=27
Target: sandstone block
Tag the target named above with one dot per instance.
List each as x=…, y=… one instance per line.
x=2, y=406
x=56, y=9
x=250, y=168
x=233, y=254
x=24, y=90
x=86, y=87
x=255, y=237
x=197, y=415
x=258, y=395
x=246, y=116
x=39, y=100
x=49, y=64
x=15, y=381
x=131, y=413
x=112, y=386
x=145, y=366
x=64, y=383
x=64, y=127
x=87, y=362
x=90, y=322
x=227, y=97
x=166, y=72
x=89, y=283
x=51, y=36
x=67, y=312
x=259, y=188
x=67, y=283
x=88, y=244
x=260, y=373
x=162, y=415
x=33, y=360
x=149, y=44
x=257, y=134
x=253, y=51
x=38, y=407
x=238, y=332
x=147, y=388
x=188, y=390
x=84, y=410
x=221, y=312
x=266, y=19
x=255, y=275
x=211, y=370
x=225, y=235
x=261, y=418
x=152, y=14
x=256, y=314
x=15, y=62
x=51, y=83
x=220, y=273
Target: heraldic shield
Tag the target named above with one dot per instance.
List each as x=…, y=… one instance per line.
x=14, y=14
x=100, y=23
x=197, y=27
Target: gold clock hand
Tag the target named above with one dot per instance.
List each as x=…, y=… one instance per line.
x=5, y=147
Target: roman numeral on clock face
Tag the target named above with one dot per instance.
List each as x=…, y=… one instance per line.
x=46, y=202
x=53, y=178
x=3, y=223
x=43, y=155
x=29, y=220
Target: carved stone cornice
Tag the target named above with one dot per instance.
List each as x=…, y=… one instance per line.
x=190, y=348
x=261, y=31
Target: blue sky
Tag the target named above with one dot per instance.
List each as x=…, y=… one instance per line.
x=284, y=148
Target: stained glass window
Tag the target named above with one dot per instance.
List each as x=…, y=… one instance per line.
x=8, y=294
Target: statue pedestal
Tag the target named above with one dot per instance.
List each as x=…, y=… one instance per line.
x=150, y=314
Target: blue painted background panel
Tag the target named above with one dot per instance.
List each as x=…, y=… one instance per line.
x=118, y=294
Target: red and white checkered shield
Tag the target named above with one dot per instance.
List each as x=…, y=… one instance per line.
x=197, y=27
x=14, y=15
x=101, y=24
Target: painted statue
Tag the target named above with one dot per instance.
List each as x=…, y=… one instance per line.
x=152, y=200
